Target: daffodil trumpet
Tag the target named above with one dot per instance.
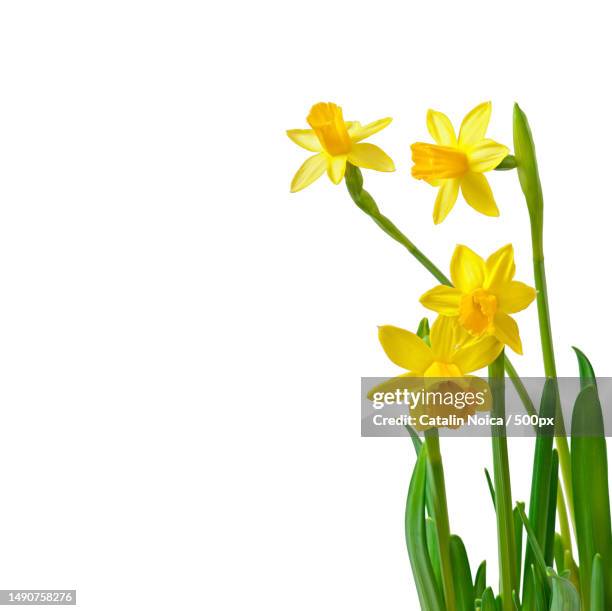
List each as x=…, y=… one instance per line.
x=458, y=162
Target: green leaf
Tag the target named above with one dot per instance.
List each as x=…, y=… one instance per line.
x=587, y=375
x=490, y=485
x=564, y=595
x=591, y=494
x=423, y=330
x=539, y=503
x=416, y=538
x=549, y=546
x=559, y=553
x=539, y=590
x=507, y=163
x=598, y=593
x=488, y=601
x=480, y=582
x=518, y=536
x=462, y=576
x=433, y=547
x=538, y=555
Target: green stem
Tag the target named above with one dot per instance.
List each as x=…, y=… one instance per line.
x=440, y=508
x=529, y=178
x=550, y=368
x=503, y=491
x=354, y=184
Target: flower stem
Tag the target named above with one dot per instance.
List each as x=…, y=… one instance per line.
x=354, y=184
x=440, y=509
x=503, y=491
x=529, y=178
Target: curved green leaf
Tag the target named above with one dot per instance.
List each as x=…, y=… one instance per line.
x=591, y=495
x=416, y=539
x=587, y=375
x=462, y=576
x=480, y=582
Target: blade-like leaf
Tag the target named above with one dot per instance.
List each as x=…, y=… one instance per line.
x=416, y=539
x=587, y=375
x=539, y=504
x=549, y=547
x=462, y=576
x=591, y=495
x=480, y=582
x=433, y=547
x=488, y=601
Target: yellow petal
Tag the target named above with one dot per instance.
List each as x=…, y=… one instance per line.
x=446, y=198
x=443, y=337
x=306, y=138
x=467, y=269
x=476, y=355
x=336, y=166
x=486, y=155
x=406, y=381
x=309, y=171
x=443, y=299
x=359, y=132
x=370, y=156
x=474, y=126
x=514, y=297
x=440, y=128
x=477, y=193
x=405, y=348
x=500, y=268
x=506, y=331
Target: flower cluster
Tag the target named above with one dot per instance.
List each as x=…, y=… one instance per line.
x=474, y=322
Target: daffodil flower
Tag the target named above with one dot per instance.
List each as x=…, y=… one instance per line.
x=459, y=163
x=483, y=296
x=336, y=142
x=442, y=364
x=448, y=355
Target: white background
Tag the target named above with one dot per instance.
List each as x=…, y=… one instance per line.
x=181, y=340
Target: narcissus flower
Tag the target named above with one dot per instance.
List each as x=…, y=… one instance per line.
x=336, y=141
x=440, y=367
x=452, y=352
x=459, y=163
x=483, y=295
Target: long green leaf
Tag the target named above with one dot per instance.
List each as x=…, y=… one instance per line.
x=506, y=542
x=518, y=536
x=541, y=484
x=416, y=539
x=549, y=545
x=433, y=547
x=480, y=582
x=592, y=500
x=538, y=554
x=462, y=576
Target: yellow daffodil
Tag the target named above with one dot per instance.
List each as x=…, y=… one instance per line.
x=483, y=296
x=441, y=366
x=336, y=141
x=459, y=163
x=448, y=356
